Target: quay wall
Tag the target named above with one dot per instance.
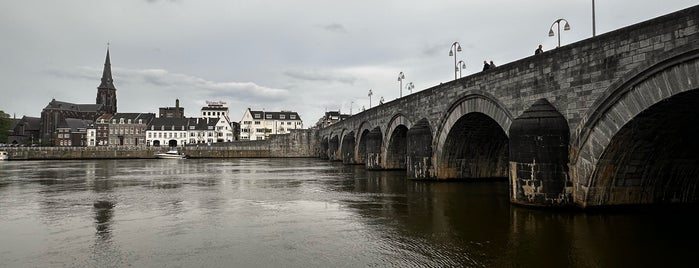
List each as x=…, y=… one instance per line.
x=298, y=143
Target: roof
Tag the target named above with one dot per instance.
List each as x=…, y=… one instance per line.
x=147, y=117
x=107, y=81
x=210, y=108
x=275, y=115
x=178, y=123
x=67, y=106
x=74, y=124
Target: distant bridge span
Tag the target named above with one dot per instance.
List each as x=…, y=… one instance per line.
x=610, y=120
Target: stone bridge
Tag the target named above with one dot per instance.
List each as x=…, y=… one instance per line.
x=610, y=120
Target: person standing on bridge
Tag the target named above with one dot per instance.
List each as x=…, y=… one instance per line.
x=538, y=50
x=486, y=66
x=492, y=65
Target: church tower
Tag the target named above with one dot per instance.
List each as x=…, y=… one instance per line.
x=106, y=92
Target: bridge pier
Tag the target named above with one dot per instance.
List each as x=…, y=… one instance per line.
x=419, y=155
x=539, y=157
x=373, y=150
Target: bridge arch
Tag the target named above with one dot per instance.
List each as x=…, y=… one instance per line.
x=419, y=155
x=362, y=133
x=638, y=144
x=395, y=148
x=324, y=147
x=374, y=142
x=347, y=148
x=471, y=141
x=333, y=147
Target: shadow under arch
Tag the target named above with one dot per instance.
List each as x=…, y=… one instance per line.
x=395, y=149
x=633, y=145
x=472, y=140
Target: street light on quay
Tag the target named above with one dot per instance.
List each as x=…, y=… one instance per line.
x=565, y=28
x=460, y=66
x=370, y=93
x=410, y=87
x=401, y=76
x=455, y=47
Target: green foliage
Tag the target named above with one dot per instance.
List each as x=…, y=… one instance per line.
x=5, y=123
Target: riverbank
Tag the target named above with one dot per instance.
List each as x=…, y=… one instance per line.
x=299, y=143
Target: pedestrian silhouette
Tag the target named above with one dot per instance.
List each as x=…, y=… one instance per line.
x=492, y=65
x=486, y=66
x=538, y=50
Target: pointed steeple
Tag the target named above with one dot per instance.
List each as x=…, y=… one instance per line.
x=106, y=92
x=107, y=81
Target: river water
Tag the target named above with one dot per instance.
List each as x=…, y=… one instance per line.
x=306, y=213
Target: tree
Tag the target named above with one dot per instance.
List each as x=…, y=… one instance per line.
x=5, y=124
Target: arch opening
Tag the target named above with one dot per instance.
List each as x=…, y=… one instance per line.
x=419, y=154
x=361, y=149
x=348, y=145
x=653, y=158
x=324, y=148
x=374, y=141
x=333, y=147
x=476, y=147
x=397, y=149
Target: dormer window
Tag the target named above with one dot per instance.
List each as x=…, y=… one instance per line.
x=258, y=116
x=140, y=121
x=129, y=121
x=102, y=120
x=282, y=116
x=292, y=116
x=121, y=120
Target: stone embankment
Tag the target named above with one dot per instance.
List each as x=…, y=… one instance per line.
x=298, y=143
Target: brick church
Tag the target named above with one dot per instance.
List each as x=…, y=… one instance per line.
x=54, y=115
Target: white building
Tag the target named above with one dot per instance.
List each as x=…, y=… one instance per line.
x=188, y=131
x=258, y=125
x=225, y=129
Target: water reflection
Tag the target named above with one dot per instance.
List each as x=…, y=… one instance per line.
x=305, y=212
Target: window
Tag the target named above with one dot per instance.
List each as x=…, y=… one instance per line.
x=257, y=116
x=288, y=123
x=293, y=116
x=140, y=121
x=121, y=120
x=191, y=127
x=129, y=121
x=282, y=116
x=268, y=116
x=257, y=122
x=247, y=122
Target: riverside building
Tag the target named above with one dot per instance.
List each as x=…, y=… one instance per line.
x=259, y=125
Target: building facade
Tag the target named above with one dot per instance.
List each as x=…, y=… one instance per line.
x=72, y=132
x=171, y=112
x=122, y=129
x=258, y=125
x=188, y=131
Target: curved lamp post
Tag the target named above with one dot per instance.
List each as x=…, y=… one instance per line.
x=565, y=28
x=455, y=47
x=401, y=76
x=460, y=66
x=410, y=87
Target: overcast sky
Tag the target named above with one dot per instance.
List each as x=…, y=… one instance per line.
x=307, y=56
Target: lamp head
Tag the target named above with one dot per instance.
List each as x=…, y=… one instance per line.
x=451, y=53
x=550, y=32
x=566, y=27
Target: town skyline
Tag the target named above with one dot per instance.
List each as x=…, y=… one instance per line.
x=308, y=57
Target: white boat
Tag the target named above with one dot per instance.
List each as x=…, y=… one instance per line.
x=172, y=154
x=4, y=155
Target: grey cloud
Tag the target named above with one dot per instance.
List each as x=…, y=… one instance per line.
x=315, y=75
x=334, y=27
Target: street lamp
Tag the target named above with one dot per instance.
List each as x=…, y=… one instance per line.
x=370, y=93
x=593, y=18
x=455, y=47
x=565, y=28
x=401, y=76
x=410, y=87
x=460, y=66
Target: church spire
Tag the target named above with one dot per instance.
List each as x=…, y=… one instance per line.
x=107, y=81
x=106, y=92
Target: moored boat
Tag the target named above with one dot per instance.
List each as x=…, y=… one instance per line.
x=4, y=155
x=172, y=154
